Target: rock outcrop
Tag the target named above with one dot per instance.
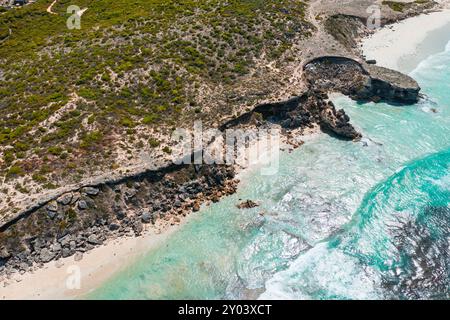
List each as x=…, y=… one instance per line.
x=391, y=86
x=337, y=122
x=249, y=204
x=106, y=211
x=301, y=112
x=360, y=81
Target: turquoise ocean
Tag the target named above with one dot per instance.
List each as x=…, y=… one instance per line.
x=340, y=220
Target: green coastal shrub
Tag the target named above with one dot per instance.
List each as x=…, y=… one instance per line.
x=15, y=171
x=154, y=143
x=144, y=63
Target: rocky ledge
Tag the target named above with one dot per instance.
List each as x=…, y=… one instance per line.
x=301, y=112
x=360, y=81
x=391, y=85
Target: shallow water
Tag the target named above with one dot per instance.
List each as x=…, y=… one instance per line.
x=340, y=220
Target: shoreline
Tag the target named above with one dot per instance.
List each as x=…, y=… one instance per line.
x=115, y=255
x=103, y=262
x=393, y=47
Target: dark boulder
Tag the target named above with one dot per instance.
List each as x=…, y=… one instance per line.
x=82, y=205
x=147, y=217
x=138, y=228
x=90, y=191
x=247, y=205
x=93, y=239
x=67, y=252
x=114, y=227
x=46, y=255
x=65, y=199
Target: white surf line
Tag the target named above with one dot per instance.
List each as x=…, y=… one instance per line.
x=49, y=9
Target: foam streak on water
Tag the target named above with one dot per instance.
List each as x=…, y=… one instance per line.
x=339, y=221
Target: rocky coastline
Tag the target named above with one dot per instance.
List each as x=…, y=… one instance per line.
x=77, y=221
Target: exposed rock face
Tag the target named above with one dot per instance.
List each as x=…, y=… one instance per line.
x=391, y=86
x=337, y=122
x=303, y=111
x=362, y=82
x=345, y=29
x=83, y=219
x=108, y=211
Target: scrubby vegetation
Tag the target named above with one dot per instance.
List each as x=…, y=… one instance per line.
x=71, y=99
x=402, y=6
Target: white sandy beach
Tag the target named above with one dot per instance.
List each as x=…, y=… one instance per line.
x=55, y=280
x=402, y=46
